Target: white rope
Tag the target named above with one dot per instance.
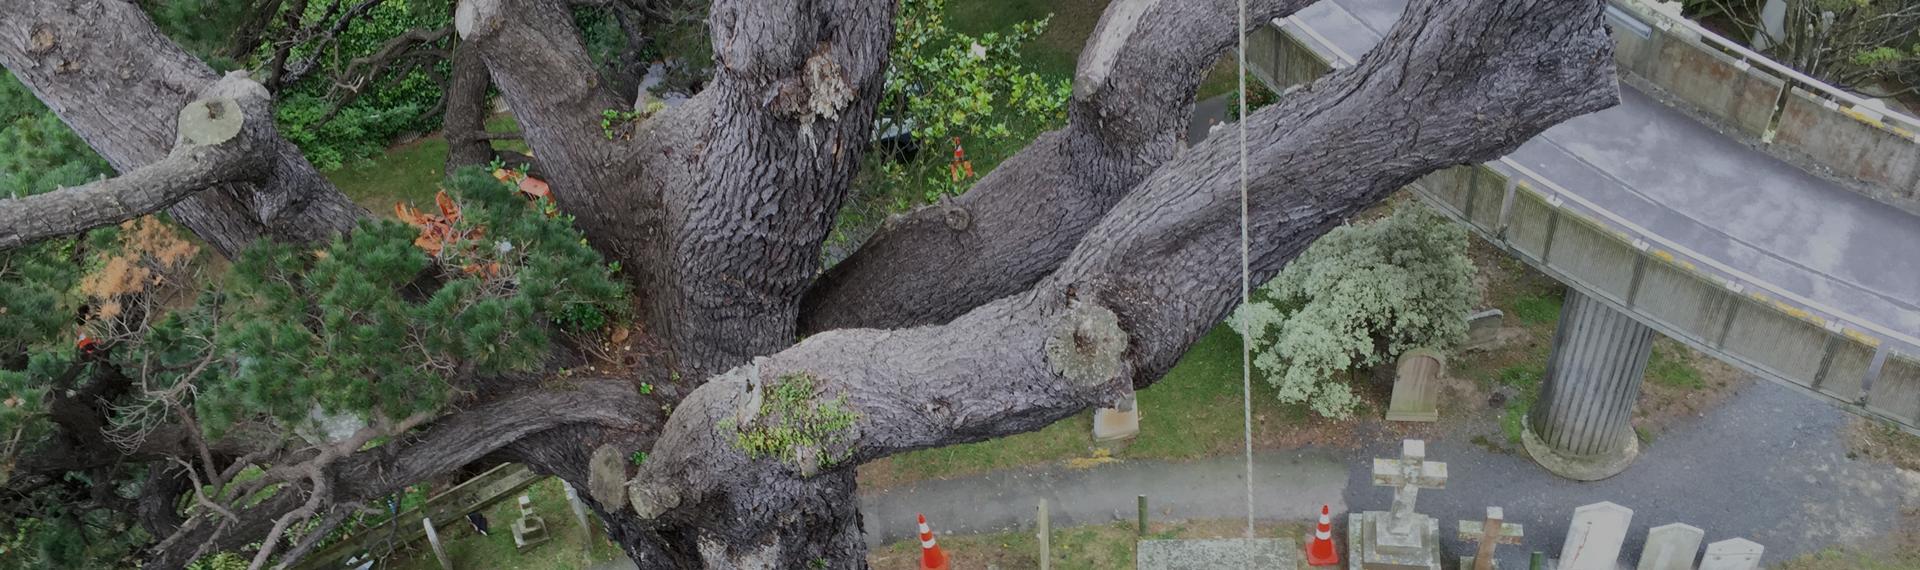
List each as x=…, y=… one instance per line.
x=1246, y=287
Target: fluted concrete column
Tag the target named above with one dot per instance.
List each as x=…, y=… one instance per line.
x=1580, y=428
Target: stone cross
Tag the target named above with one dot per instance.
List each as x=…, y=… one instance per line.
x=1407, y=475
x=1670, y=547
x=1495, y=531
x=1594, y=537
x=1733, y=554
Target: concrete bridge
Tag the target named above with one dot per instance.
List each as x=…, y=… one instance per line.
x=1688, y=210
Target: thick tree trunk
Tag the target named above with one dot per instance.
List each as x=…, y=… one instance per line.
x=103, y=68
x=1452, y=83
x=1133, y=97
x=718, y=207
x=465, y=120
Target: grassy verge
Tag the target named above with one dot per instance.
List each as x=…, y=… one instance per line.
x=1903, y=556
x=569, y=549
x=1881, y=441
x=1098, y=547
x=1193, y=412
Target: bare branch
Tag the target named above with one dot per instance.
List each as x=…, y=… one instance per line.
x=216, y=145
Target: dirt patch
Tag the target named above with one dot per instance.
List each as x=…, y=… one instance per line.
x=1680, y=384
x=1877, y=441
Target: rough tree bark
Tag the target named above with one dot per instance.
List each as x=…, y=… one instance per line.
x=1452, y=83
x=718, y=207
x=105, y=70
x=1133, y=95
x=220, y=137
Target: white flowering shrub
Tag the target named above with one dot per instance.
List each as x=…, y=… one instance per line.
x=1357, y=297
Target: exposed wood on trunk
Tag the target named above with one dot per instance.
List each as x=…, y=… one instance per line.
x=103, y=68
x=220, y=136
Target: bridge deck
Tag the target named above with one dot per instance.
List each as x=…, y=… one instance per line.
x=1707, y=239
x=1709, y=193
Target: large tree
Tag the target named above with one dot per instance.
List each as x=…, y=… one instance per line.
x=1073, y=274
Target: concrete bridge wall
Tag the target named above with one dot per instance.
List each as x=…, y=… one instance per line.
x=1702, y=302
x=1790, y=114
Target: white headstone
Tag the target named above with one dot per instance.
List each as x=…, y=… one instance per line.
x=1593, y=540
x=1733, y=554
x=433, y=539
x=1671, y=547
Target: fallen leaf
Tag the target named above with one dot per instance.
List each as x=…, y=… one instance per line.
x=534, y=187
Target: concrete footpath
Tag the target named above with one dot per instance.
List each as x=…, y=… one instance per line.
x=1287, y=485
x=1768, y=465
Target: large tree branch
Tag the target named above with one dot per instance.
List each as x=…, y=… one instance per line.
x=1452, y=83
x=105, y=70
x=450, y=443
x=718, y=206
x=1133, y=97
x=217, y=137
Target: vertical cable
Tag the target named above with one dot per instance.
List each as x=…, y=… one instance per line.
x=1246, y=287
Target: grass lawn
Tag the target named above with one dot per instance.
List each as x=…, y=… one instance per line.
x=407, y=173
x=1096, y=547
x=1193, y=412
x=468, y=549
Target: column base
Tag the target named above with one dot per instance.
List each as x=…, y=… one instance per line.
x=1578, y=467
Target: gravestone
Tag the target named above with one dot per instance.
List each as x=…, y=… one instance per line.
x=1209, y=554
x=529, y=530
x=1399, y=539
x=1116, y=423
x=1594, y=537
x=1488, y=534
x=1416, y=386
x=1733, y=554
x=1483, y=329
x=433, y=539
x=1671, y=547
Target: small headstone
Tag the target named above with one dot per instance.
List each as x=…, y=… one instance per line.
x=579, y=509
x=1733, y=554
x=1416, y=387
x=1116, y=423
x=1218, y=553
x=529, y=530
x=1671, y=547
x=1483, y=328
x=1594, y=537
x=433, y=539
x=607, y=476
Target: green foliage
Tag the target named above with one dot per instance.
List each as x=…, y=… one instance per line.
x=204, y=27
x=944, y=84
x=1525, y=380
x=1258, y=97
x=220, y=561
x=388, y=107
x=373, y=325
x=1357, y=297
x=638, y=457
x=795, y=425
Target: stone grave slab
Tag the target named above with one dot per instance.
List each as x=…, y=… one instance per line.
x=1208, y=554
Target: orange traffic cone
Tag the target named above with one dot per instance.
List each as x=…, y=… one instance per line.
x=931, y=557
x=1321, y=552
